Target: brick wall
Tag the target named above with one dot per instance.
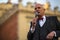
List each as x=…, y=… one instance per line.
x=8, y=30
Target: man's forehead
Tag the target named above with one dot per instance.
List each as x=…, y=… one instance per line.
x=38, y=5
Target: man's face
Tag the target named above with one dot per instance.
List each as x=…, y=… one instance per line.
x=39, y=8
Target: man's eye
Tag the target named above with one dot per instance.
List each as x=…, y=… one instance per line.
x=35, y=8
x=39, y=7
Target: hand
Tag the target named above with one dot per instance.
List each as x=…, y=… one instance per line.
x=51, y=35
x=34, y=22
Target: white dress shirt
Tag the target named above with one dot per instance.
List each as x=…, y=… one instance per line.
x=41, y=22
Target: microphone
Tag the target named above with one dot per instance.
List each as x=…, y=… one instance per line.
x=36, y=14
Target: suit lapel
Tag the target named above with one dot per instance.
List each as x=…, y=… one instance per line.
x=46, y=22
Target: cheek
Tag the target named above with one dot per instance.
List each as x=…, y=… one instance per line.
x=42, y=11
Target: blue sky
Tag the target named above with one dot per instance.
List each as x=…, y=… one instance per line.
x=13, y=1
x=52, y=2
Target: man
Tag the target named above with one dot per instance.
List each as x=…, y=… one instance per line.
x=42, y=27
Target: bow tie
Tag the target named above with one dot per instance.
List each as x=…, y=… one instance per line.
x=40, y=18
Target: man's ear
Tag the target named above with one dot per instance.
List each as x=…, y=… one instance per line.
x=44, y=9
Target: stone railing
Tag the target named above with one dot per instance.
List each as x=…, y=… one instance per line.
x=8, y=14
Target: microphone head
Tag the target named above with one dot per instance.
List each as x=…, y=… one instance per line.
x=36, y=14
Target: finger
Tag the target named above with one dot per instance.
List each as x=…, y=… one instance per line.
x=49, y=37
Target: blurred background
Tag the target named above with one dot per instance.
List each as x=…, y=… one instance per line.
x=15, y=16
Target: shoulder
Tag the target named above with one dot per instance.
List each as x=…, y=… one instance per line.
x=52, y=17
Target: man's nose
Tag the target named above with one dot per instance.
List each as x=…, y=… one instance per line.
x=37, y=9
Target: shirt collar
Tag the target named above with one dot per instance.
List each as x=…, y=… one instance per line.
x=43, y=16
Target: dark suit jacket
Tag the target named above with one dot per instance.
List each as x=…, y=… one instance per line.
x=51, y=24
